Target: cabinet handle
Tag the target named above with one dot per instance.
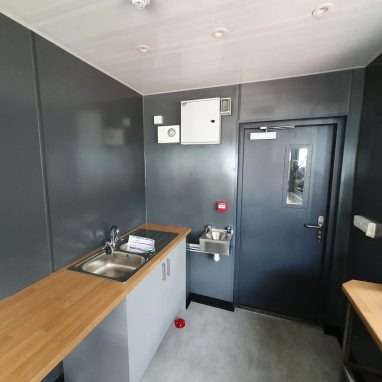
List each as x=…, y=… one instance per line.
x=168, y=267
x=163, y=271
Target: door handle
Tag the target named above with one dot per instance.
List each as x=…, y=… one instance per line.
x=168, y=267
x=319, y=227
x=312, y=226
x=164, y=271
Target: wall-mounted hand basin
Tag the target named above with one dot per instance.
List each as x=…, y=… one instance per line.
x=215, y=240
x=216, y=235
x=118, y=265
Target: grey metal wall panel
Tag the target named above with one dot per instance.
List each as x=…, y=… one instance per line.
x=299, y=97
x=184, y=182
x=365, y=260
x=94, y=152
x=335, y=303
x=24, y=254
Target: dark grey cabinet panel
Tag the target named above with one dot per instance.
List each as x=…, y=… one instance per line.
x=24, y=256
x=93, y=139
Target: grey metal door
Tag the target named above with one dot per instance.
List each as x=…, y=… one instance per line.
x=284, y=203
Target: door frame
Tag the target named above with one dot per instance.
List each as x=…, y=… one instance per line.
x=333, y=201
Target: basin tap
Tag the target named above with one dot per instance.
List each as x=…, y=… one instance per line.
x=112, y=242
x=208, y=228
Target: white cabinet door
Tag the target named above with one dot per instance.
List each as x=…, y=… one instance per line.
x=200, y=121
x=146, y=321
x=151, y=308
x=175, y=292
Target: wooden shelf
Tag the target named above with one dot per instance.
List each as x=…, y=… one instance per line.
x=366, y=299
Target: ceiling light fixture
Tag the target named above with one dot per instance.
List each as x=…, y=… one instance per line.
x=140, y=4
x=219, y=33
x=143, y=49
x=322, y=9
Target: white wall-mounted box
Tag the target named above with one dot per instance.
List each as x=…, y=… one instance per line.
x=168, y=134
x=200, y=122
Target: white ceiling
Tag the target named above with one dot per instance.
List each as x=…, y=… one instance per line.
x=267, y=39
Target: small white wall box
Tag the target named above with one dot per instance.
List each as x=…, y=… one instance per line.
x=225, y=106
x=201, y=122
x=168, y=134
x=371, y=228
x=158, y=119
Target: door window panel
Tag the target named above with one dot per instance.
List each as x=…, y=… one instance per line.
x=298, y=160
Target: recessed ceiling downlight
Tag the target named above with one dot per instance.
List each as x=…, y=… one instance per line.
x=140, y=4
x=143, y=49
x=219, y=33
x=322, y=9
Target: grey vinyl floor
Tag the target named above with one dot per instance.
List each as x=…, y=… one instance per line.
x=243, y=346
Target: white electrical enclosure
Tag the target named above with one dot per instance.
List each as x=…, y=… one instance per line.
x=200, y=122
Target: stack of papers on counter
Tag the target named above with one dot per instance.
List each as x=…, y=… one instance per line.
x=140, y=244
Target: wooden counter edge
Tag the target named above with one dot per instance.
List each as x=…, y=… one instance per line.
x=346, y=287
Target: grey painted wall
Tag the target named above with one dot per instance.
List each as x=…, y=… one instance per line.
x=365, y=260
x=71, y=158
x=320, y=95
x=24, y=256
x=93, y=140
x=184, y=182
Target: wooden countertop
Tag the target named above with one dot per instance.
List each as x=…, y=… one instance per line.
x=43, y=323
x=366, y=299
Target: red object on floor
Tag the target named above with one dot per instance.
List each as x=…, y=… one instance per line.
x=180, y=323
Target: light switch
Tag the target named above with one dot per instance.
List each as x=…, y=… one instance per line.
x=158, y=119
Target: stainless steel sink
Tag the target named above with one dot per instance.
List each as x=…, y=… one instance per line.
x=119, y=265
x=215, y=240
